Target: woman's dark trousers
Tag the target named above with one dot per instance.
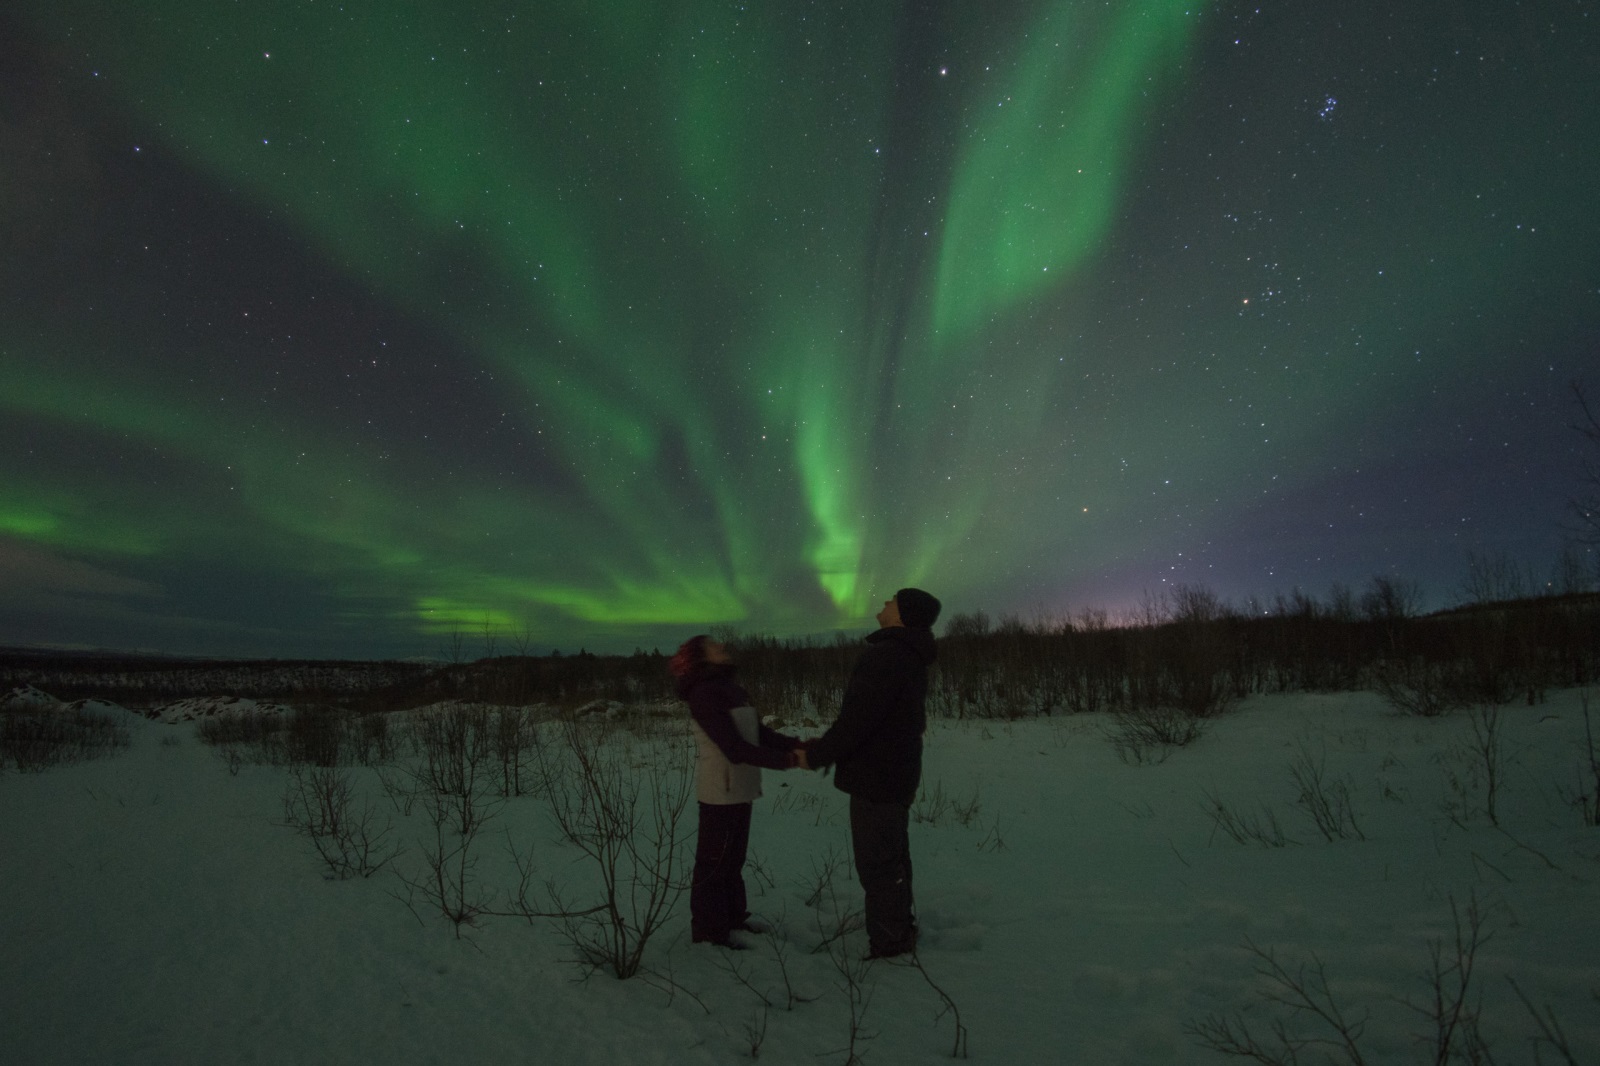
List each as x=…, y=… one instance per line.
x=716, y=895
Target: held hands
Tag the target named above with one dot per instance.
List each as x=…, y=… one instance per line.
x=797, y=756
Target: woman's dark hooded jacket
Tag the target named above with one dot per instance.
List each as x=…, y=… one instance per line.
x=726, y=765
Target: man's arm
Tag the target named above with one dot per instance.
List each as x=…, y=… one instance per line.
x=871, y=686
x=771, y=738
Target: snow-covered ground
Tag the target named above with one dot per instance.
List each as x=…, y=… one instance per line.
x=156, y=910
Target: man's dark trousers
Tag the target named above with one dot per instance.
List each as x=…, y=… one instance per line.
x=878, y=831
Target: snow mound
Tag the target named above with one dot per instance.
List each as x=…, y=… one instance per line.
x=102, y=708
x=608, y=709
x=196, y=708
x=28, y=698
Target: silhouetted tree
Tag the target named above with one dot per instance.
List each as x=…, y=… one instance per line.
x=1493, y=577
x=1585, y=507
x=1391, y=599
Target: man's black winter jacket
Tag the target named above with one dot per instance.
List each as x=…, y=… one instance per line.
x=876, y=742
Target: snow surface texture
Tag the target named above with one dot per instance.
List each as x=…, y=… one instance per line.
x=158, y=911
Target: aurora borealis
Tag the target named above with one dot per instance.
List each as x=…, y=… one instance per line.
x=330, y=329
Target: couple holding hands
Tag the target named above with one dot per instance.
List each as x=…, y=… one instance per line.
x=875, y=746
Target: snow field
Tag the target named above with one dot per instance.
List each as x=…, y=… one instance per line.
x=1076, y=908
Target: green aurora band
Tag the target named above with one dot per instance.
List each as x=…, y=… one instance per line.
x=749, y=302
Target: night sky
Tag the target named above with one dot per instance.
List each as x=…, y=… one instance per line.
x=328, y=329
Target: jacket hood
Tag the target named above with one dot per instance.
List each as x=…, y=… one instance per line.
x=918, y=638
x=701, y=673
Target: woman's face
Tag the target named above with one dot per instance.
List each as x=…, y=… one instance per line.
x=717, y=653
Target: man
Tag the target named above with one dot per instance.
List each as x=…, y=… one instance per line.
x=876, y=744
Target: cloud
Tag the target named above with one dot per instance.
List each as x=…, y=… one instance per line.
x=37, y=578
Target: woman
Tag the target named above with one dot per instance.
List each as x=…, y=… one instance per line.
x=733, y=746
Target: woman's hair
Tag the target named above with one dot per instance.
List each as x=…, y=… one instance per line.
x=691, y=653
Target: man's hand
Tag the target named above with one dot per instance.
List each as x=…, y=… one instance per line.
x=800, y=759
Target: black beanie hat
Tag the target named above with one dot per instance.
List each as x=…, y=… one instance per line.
x=918, y=610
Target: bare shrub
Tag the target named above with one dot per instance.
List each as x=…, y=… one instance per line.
x=1588, y=799
x=35, y=741
x=756, y=1028
x=402, y=785
x=729, y=961
x=1390, y=599
x=757, y=865
x=458, y=741
x=1259, y=828
x=373, y=739
x=1494, y=577
x=1198, y=678
x=931, y=805
x=852, y=970
x=515, y=741
x=237, y=734
x=449, y=884
x=1452, y=1011
x=320, y=803
x=947, y=1005
x=972, y=624
x=834, y=922
x=240, y=738
x=1148, y=734
x=625, y=818
x=456, y=747
x=820, y=883
x=1417, y=687
x=1474, y=771
x=1326, y=802
x=1486, y=738
x=965, y=811
x=314, y=736
x=1203, y=690
x=936, y=807
x=313, y=803
x=1585, y=509
x=992, y=839
x=1549, y=1027
x=755, y=1031
x=1196, y=604
x=780, y=955
x=453, y=779
x=1305, y=993
x=795, y=799
x=1455, y=1020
